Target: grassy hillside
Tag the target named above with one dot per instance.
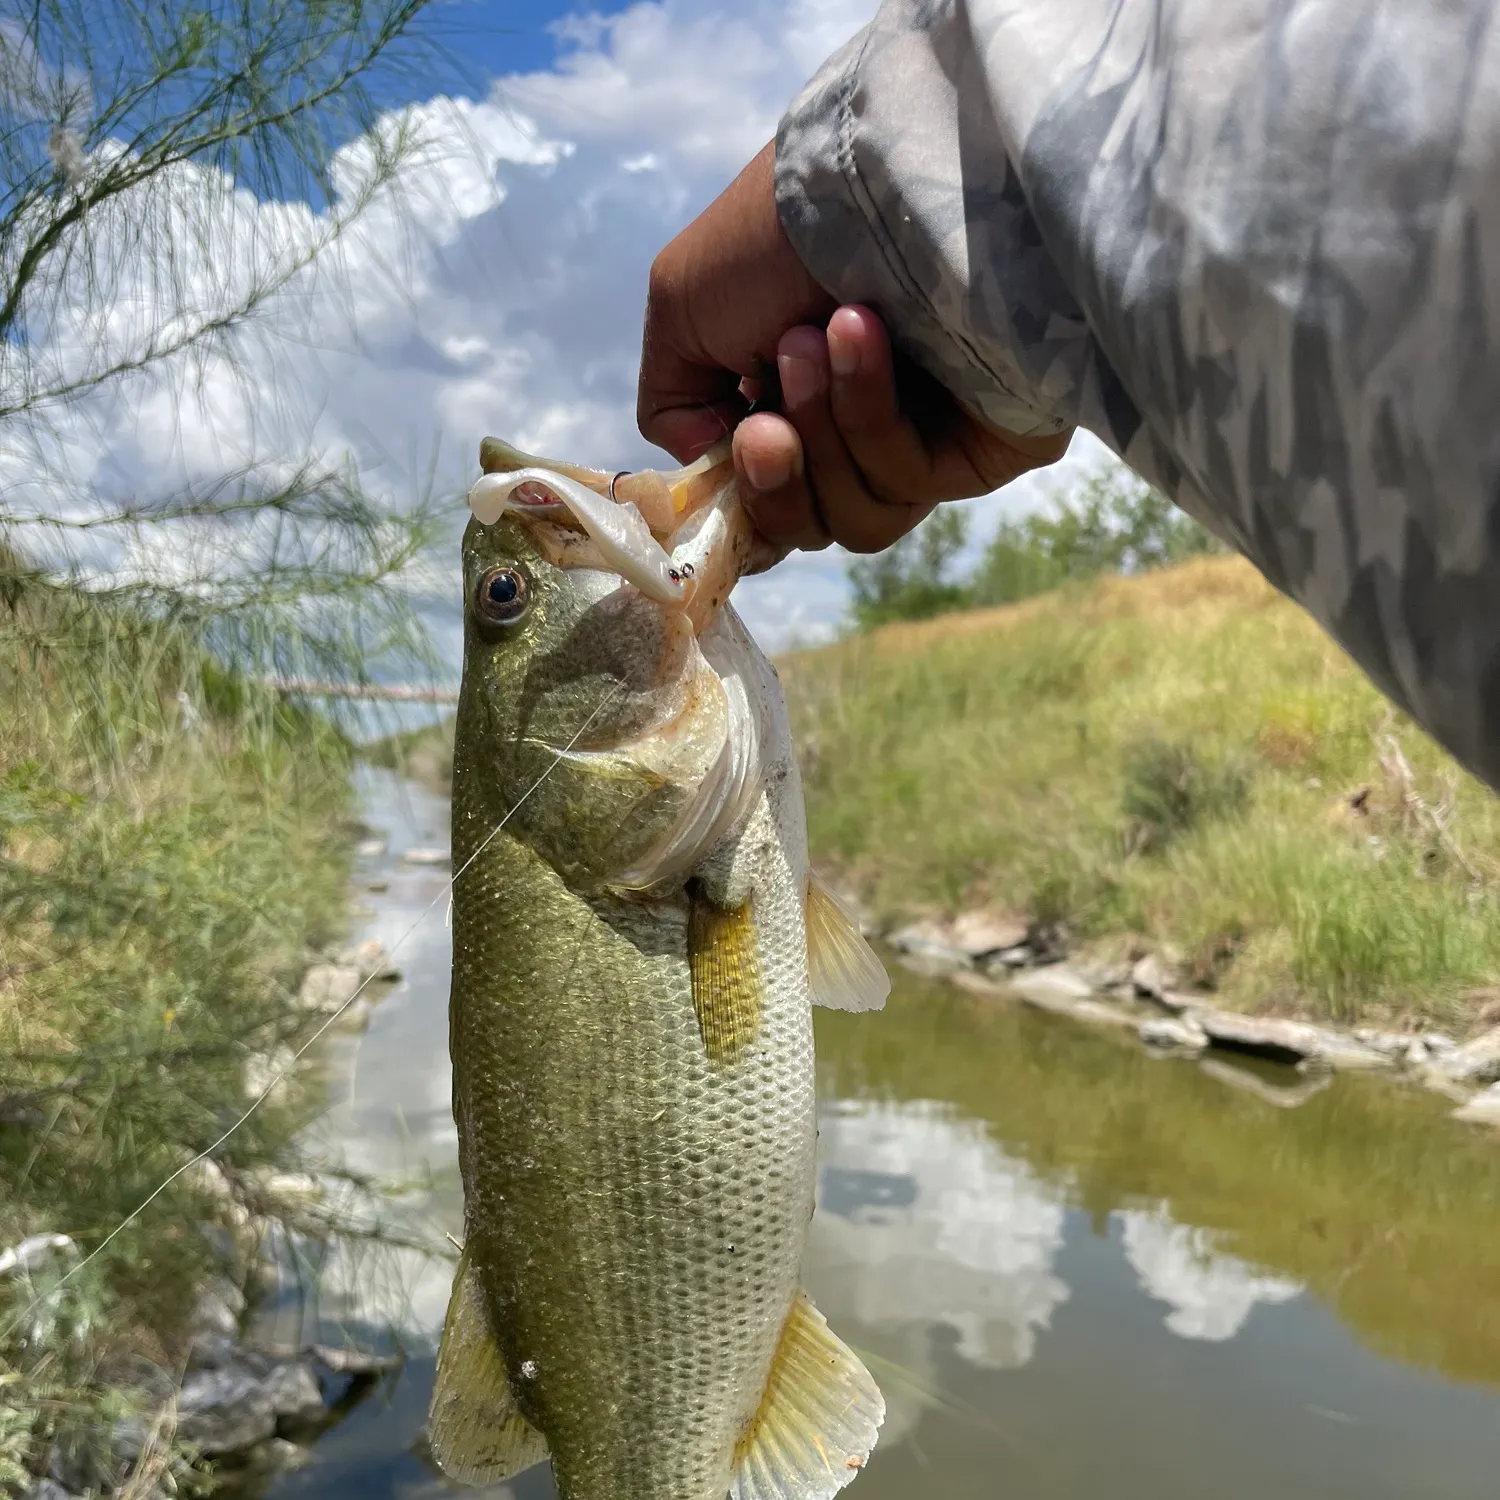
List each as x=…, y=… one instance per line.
x=170, y=844
x=1182, y=755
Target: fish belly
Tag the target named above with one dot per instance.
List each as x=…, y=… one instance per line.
x=636, y=1208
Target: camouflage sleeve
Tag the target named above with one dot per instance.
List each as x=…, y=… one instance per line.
x=1254, y=245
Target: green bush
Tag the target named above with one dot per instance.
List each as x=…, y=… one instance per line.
x=1112, y=522
x=1169, y=787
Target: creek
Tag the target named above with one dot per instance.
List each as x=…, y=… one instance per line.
x=1077, y=1269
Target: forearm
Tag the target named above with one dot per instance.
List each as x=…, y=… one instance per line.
x=1251, y=247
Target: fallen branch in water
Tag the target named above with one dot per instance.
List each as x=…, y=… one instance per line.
x=394, y=693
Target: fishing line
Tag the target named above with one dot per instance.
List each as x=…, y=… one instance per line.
x=297, y=1056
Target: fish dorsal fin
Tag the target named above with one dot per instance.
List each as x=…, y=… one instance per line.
x=817, y=1420
x=842, y=968
x=477, y=1434
x=725, y=970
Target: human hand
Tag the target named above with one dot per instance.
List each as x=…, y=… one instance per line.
x=865, y=445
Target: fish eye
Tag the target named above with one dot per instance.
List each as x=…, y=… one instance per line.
x=502, y=596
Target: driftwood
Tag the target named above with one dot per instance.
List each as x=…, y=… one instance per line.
x=372, y=691
x=1417, y=809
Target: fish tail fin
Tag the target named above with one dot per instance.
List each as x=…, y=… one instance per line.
x=477, y=1433
x=817, y=1420
x=843, y=970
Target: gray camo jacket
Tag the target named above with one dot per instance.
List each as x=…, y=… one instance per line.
x=1254, y=245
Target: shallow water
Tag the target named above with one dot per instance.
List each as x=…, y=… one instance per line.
x=1076, y=1269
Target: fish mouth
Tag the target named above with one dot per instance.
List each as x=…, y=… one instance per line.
x=682, y=538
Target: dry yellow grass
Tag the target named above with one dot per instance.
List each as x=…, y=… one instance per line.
x=1183, y=755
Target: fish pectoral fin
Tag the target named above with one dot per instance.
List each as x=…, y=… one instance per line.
x=843, y=970
x=818, y=1418
x=477, y=1433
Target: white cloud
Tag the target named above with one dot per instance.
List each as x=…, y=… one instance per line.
x=1210, y=1294
x=497, y=288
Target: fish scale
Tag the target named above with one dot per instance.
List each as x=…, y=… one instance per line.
x=568, y=1043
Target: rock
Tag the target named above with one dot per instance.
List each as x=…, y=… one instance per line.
x=328, y=986
x=978, y=933
x=1061, y=992
x=926, y=948
x=295, y=1395
x=1482, y=1109
x=371, y=848
x=1285, y=1041
x=1172, y=1031
x=1393, y=1044
x=378, y=887
x=1148, y=978
x=428, y=856
x=269, y=1070
x=1018, y=957
x=370, y=959
x=1102, y=977
x=285, y=1456
x=213, y=1351
x=982, y=984
x=218, y=1308
x=1343, y=1053
x=1050, y=942
x=1475, y=1062
x=234, y=1408
x=288, y=1185
x=35, y=1252
x=1057, y=982
x=1438, y=1042
x=1175, y=1001
x=225, y=1411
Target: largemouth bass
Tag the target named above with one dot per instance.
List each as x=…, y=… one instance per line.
x=637, y=945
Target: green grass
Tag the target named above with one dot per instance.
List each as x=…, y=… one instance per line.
x=163, y=871
x=1173, y=756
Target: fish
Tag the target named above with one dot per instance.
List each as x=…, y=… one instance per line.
x=637, y=945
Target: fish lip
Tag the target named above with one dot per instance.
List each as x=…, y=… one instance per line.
x=681, y=539
x=618, y=530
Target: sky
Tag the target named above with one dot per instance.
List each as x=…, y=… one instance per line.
x=500, y=290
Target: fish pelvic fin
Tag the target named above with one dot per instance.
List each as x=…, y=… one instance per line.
x=728, y=995
x=843, y=970
x=477, y=1433
x=818, y=1418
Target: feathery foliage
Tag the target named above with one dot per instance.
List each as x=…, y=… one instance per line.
x=173, y=174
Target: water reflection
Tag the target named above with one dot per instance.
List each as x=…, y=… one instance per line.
x=924, y=1221
x=1210, y=1294
x=1076, y=1270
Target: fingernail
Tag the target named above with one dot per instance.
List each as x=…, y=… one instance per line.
x=843, y=354
x=800, y=380
x=767, y=471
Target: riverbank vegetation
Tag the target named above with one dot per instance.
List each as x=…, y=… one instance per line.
x=173, y=837
x=1180, y=757
x=1109, y=522
x=172, y=842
